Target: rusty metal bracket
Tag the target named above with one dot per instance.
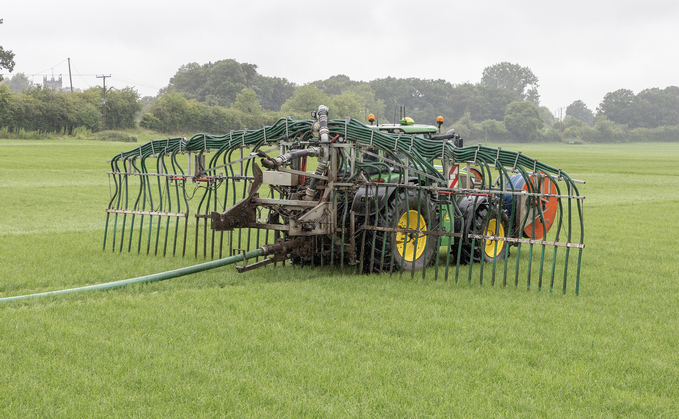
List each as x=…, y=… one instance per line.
x=244, y=212
x=281, y=251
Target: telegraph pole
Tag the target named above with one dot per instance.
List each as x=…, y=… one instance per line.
x=70, y=78
x=103, y=101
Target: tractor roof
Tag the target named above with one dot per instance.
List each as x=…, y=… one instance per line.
x=407, y=126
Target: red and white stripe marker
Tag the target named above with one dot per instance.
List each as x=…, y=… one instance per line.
x=453, y=176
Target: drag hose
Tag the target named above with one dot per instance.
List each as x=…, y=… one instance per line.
x=148, y=278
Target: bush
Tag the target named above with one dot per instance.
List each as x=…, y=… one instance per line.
x=22, y=134
x=149, y=121
x=115, y=136
x=550, y=135
x=494, y=131
x=489, y=130
x=660, y=134
x=523, y=120
x=89, y=117
x=81, y=133
x=47, y=110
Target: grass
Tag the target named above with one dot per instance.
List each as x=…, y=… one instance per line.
x=301, y=342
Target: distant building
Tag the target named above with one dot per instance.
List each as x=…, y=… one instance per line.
x=52, y=82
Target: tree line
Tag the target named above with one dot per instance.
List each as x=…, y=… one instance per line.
x=218, y=84
x=228, y=95
x=48, y=110
x=503, y=106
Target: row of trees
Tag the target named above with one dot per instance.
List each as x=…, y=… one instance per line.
x=186, y=103
x=527, y=126
x=48, y=110
x=490, y=105
x=26, y=107
x=218, y=84
x=173, y=113
x=650, y=108
x=227, y=95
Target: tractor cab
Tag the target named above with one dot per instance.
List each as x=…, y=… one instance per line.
x=407, y=126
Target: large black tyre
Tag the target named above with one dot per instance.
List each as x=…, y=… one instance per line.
x=376, y=253
x=413, y=251
x=477, y=221
x=495, y=224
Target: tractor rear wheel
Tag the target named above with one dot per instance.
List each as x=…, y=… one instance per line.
x=412, y=250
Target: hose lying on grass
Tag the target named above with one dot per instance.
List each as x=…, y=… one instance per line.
x=149, y=278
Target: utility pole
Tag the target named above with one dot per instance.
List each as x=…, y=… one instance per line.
x=70, y=78
x=103, y=101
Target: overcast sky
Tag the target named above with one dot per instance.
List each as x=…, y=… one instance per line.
x=579, y=50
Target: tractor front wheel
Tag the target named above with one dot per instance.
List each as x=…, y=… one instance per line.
x=413, y=250
x=497, y=226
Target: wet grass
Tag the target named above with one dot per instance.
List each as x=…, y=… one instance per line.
x=291, y=342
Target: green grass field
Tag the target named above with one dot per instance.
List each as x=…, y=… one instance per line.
x=292, y=342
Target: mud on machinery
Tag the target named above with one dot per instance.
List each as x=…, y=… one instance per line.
x=360, y=198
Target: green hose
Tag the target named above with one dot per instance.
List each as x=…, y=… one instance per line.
x=148, y=278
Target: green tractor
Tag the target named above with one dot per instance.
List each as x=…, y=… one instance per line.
x=364, y=198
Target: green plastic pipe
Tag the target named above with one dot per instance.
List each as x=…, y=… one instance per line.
x=148, y=278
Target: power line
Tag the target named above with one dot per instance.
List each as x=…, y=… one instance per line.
x=42, y=74
x=51, y=68
x=143, y=84
x=81, y=76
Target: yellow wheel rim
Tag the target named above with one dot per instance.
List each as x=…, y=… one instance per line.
x=411, y=245
x=489, y=245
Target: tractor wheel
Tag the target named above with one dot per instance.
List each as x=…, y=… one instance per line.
x=371, y=244
x=495, y=225
x=413, y=251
